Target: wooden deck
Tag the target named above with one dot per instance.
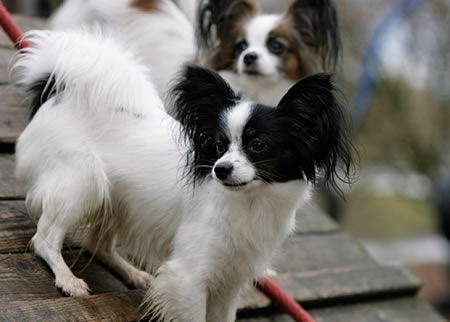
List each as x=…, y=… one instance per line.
x=320, y=266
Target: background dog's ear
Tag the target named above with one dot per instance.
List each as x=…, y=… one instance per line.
x=218, y=18
x=317, y=23
x=319, y=124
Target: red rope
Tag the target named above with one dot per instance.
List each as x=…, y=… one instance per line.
x=266, y=285
x=287, y=303
x=11, y=29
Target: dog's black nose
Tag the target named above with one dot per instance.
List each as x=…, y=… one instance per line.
x=250, y=58
x=223, y=170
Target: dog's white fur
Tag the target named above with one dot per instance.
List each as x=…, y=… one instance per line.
x=103, y=151
x=164, y=39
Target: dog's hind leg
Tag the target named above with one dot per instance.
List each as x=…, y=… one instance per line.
x=66, y=196
x=103, y=245
x=47, y=243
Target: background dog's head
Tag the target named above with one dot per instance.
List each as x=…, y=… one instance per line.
x=243, y=144
x=234, y=35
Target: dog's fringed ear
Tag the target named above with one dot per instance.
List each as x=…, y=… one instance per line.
x=200, y=94
x=318, y=122
x=218, y=18
x=317, y=23
x=199, y=97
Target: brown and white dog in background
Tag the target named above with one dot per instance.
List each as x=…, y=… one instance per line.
x=261, y=55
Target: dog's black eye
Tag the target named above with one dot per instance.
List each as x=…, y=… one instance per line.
x=220, y=148
x=257, y=145
x=276, y=46
x=241, y=46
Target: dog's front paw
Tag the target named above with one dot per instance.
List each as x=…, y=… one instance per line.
x=72, y=286
x=141, y=279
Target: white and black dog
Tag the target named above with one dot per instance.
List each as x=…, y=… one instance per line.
x=201, y=199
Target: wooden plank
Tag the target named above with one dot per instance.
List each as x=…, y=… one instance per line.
x=16, y=227
x=119, y=306
x=9, y=187
x=6, y=60
x=343, y=285
x=25, y=277
x=25, y=23
x=299, y=254
x=399, y=310
x=328, y=268
x=13, y=115
x=348, y=284
x=10, y=97
x=311, y=219
x=311, y=252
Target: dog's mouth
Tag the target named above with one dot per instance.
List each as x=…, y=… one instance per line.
x=235, y=185
x=252, y=72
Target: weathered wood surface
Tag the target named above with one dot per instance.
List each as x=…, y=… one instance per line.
x=25, y=277
x=392, y=310
x=118, y=306
x=314, y=268
x=6, y=59
x=9, y=187
x=347, y=284
x=13, y=115
x=16, y=227
x=320, y=251
x=319, y=265
x=312, y=219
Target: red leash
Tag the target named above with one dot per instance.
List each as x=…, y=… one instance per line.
x=287, y=303
x=11, y=29
x=266, y=285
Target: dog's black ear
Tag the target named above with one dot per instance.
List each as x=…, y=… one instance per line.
x=318, y=122
x=317, y=23
x=200, y=95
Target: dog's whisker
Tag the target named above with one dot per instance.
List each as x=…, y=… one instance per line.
x=264, y=161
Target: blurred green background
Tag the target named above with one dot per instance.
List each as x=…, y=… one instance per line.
x=404, y=143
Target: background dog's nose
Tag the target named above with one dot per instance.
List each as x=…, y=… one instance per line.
x=223, y=170
x=250, y=58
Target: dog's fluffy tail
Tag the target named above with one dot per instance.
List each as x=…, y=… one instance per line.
x=92, y=69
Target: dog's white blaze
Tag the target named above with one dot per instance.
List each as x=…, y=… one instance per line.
x=236, y=118
x=257, y=32
x=259, y=28
x=235, y=121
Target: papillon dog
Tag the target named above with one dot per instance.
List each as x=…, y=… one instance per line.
x=260, y=55
x=263, y=55
x=202, y=196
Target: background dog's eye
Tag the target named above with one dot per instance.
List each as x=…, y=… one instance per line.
x=220, y=148
x=241, y=46
x=276, y=46
x=257, y=145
